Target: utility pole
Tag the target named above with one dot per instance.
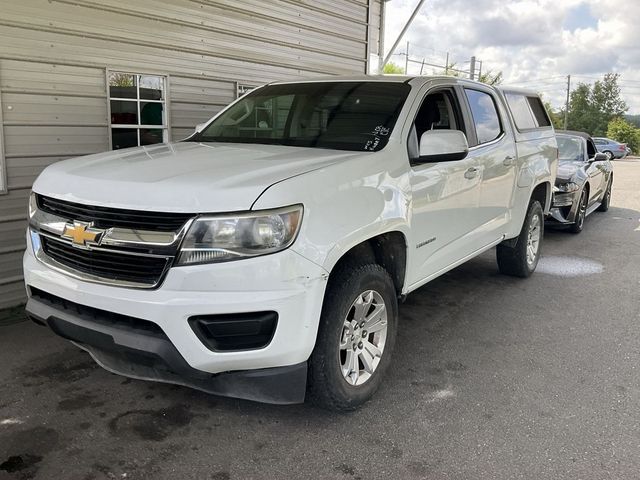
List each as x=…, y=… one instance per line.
x=422, y=66
x=446, y=68
x=472, y=68
x=406, y=61
x=566, y=105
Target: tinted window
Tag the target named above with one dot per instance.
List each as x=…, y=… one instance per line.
x=340, y=115
x=485, y=115
x=522, y=114
x=539, y=113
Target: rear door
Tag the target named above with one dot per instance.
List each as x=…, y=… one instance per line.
x=493, y=147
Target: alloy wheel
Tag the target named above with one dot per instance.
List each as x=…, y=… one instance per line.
x=363, y=338
x=582, y=210
x=533, y=240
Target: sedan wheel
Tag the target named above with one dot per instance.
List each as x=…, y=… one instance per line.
x=606, y=199
x=609, y=155
x=581, y=214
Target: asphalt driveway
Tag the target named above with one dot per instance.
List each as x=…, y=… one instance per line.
x=493, y=377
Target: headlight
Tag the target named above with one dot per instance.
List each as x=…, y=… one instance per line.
x=33, y=204
x=567, y=187
x=222, y=238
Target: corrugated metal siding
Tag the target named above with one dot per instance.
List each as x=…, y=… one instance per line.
x=54, y=55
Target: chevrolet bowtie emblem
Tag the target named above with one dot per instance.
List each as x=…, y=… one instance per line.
x=82, y=233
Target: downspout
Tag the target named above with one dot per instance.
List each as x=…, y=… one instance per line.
x=367, y=52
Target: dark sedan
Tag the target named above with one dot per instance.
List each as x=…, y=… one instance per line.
x=583, y=183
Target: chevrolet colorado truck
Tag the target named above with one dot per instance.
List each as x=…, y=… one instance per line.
x=264, y=256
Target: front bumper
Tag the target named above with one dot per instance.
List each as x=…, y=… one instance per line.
x=137, y=353
x=285, y=282
x=564, y=207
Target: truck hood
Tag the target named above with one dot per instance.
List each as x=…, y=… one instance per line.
x=181, y=177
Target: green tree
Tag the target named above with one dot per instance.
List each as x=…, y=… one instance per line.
x=581, y=116
x=591, y=108
x=556, y=117
x=487, y=77
x=391, y=68
x=624, y=132
x=491, y=78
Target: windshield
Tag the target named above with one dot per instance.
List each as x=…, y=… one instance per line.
x=570, y=149
x=340, y=115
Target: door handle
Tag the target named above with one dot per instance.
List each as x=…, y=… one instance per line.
x=471, y=172
x=508, y=161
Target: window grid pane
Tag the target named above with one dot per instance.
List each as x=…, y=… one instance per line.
x=137, y=104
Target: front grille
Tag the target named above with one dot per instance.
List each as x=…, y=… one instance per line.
x=105, y=217
x=103, y=317
x=114, y=266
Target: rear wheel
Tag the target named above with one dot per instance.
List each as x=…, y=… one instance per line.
x=606, y=199
x=521, y=259
x=355, y=340
x=578, y=225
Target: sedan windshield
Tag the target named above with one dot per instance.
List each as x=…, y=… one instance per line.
x=570, y=149
x=355, y=116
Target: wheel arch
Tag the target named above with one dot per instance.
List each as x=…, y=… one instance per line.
x=542, y=193
x=389, y=250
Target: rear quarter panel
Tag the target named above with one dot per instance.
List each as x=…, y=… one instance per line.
x=537, y=152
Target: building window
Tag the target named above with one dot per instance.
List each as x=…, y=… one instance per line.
x=138, y=113
x=243, y=89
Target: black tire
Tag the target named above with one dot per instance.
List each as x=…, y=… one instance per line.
x=609, y=154
x=606, y=199
x=512, y=258
x=578, y=225
x=326, y=384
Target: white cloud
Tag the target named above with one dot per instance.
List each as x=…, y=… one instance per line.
x=535, y=43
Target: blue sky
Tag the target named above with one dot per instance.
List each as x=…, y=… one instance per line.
x=535, y=43
x=579, y=17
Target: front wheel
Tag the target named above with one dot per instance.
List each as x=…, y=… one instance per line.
x=578, y=224
x=521, y=259
x=609, y=155
x=356, y=336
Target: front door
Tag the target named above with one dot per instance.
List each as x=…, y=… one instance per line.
x=445, y=195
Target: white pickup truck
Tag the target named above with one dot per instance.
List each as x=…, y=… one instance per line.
x=264, y=257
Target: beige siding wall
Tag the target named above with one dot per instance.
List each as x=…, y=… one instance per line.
x=54, y=55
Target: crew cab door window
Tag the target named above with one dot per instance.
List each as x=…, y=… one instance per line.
x=485, y=115
x=438, y=111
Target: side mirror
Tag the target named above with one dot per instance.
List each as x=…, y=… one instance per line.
x=443, y=146
x=201, y=126
x=599, y=157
